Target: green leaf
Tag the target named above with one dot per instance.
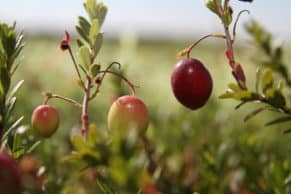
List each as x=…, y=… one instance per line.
x=94, y=70
x=93, y=135
x=280, y=85
x=102, y=11
x=226, y=18
x=15, y=89
x=79, y=143
x=85, y=56
x=254, y=113
x=9, y=108
x=18, y=148
x=16, y=53
x=84, y=24
x=74, y=157
x=12, y=127
x=279, y=120
x=5, y=79
x=8, y=43
x=2, y=93
x=33, y=147
x=234, y=87
x=2, y=57
x=104, y=187
x=12, y=71
x=84, y=70
x=90, y=6
x=91, y=157
x=2, y=105
x=212, y=7
x=241, y=104
x=226, y=95
x=209, y=158
x=275, y=98
x=83, y=35
x=258, y=78
x=267, y=81
x=94, y=31
x=18, y=47
x=243, y=95
x=98, y=44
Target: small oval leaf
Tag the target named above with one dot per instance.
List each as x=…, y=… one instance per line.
x=279, y=120
x=85, y=56
x=267, y=80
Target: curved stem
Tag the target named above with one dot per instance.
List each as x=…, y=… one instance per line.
x=113, y=63
x=102, y=77
x=64, y=98
x=132, y=87
x=198, y=41
x=75, y=63
x=236, y=21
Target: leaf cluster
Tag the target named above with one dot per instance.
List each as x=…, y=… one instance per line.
x=93, y=151
x=273, y=53
x=225, y=14
x=91, y=38
x=266, y=92
x=11, y=45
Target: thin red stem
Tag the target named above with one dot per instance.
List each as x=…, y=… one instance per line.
x=85, y=117
x=74, y=62
x=198, y=41
x=64, y=98
x=229, y=46
x=102, y=77
x=236, y=22
x=132, y=87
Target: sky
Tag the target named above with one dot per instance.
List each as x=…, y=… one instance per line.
x=153, y=18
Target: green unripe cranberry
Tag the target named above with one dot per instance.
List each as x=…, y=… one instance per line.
x=45, y=120
x=128, y=112
x=10, y=179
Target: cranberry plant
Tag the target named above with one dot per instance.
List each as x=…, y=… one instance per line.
x=16, y=163
x=180, y=153
x=267, y=91
x=95, y=151
x=10, y=47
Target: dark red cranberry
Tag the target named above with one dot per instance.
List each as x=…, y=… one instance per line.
x=10, y=179
x=191, y=83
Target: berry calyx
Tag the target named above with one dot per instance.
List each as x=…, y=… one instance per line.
x=191, y=83
x=128, y=112
x=45, y=120
x=10, y=180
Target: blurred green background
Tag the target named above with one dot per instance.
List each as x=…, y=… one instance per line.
x=174, y=129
